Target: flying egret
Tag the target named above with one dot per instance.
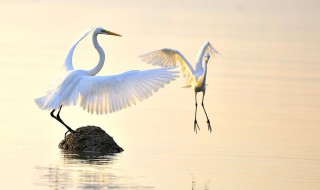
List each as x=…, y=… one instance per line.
x=101, y=94
x=196, y=79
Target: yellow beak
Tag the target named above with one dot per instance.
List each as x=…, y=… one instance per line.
x=111, y=33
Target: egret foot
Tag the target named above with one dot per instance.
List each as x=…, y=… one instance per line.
x=196, y=126
x=71, y=131
x=209, y=126
x=58, y=118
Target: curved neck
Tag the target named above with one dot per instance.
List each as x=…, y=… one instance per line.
x=99, y=66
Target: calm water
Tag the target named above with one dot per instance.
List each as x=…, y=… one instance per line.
x=263, y=97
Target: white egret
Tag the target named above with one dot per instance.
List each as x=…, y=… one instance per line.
x=196, y=79
x=101, y=94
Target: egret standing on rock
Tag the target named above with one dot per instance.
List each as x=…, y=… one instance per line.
x=101, y=94
x=196, y=79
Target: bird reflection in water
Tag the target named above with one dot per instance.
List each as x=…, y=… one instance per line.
x=85, y=170
x=88, y=157
x=195, y=185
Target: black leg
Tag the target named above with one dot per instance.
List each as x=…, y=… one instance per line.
x=208, y=121
x=195, y=116
x=58, y=118
x=51, y=113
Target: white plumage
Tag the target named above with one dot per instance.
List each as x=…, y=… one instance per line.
x=196, y=78
x=104, y=94
x=101, y=94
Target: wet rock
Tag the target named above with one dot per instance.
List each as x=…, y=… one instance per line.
x=90, y=138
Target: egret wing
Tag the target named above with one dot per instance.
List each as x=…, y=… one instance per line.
x=107, y=94
x=170, y=57
x=68, y=61
x=210, y=49
x=206, y=48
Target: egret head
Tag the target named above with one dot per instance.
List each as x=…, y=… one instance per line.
x=99, y=30
x=207, y=57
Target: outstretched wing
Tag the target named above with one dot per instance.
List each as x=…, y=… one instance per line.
x=206, y=48
x=210, y=49
x=107, y=94
x=170, y=57
x=68, y=62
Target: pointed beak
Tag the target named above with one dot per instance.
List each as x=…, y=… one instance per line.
x=111, y=33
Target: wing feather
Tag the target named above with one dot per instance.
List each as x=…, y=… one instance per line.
x=107, y=94
x=206, y=48
x=211, y=49
x=170, y=57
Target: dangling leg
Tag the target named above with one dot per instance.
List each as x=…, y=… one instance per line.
x=58, y=118
x=195, y=115
x=208, y=121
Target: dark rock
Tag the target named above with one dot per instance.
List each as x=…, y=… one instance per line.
x=90, y=138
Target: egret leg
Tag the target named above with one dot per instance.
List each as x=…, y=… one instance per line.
x=195, y=116
x=208, y=121
x=51, y=113
x=58, y=118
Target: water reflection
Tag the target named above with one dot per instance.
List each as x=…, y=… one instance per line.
x=84, y=170
x=88, y=157
x=196, y=186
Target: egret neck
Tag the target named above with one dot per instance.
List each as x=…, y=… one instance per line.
x=99, y=66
